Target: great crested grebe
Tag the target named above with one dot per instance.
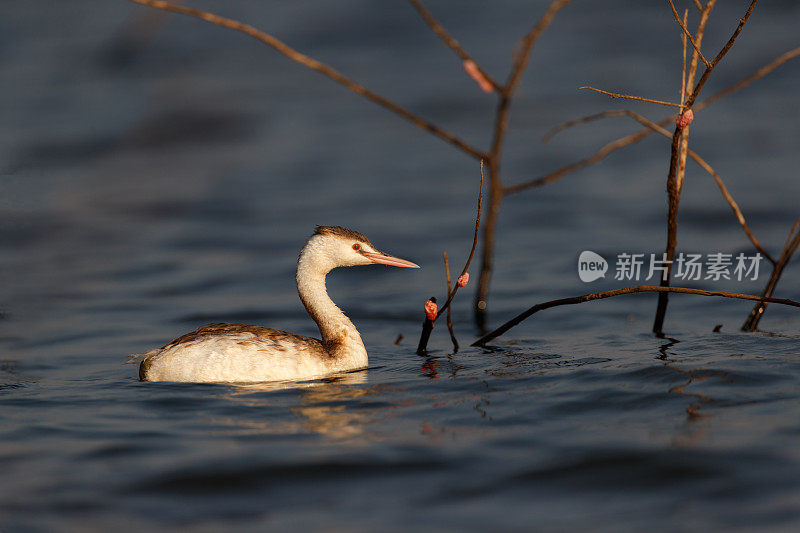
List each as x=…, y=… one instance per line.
x=245, y=353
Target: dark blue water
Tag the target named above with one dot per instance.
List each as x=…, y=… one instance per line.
x=159, y=173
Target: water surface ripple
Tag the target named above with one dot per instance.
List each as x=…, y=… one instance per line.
x=159, y=173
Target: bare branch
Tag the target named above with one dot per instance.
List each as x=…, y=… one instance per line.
x=744, y=82
x=427, y=325
x=687, y=34
x=451, y=42
x=683, y=58
x=736, y=210
x=524, y=53
x=792, y=243
x=618, y=292
x=631, y=97
x=723, y=189
x=791, y=233
x=495, y=195
x=658, y=129
x=449, y=317
x=322, y=68
x=591, y=160
x=427, y=328
x=677, y=163
x=552, y=132
x=720, y=55
x=471, y=252
x=641, y=134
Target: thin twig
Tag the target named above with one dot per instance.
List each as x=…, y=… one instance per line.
x=792, y=243
x=526, y=46
x=641, y=134
x=717, y=178
x=631, y=97
x=322, y=68
x=757, y=75
x=618, y=292
x=552, y=132
x=686, y=32
x=451, y=42
x=449, y=317
x=720, y=55
x=683, y=56
x=572, y=167
x=427, y=325
x=723, y=189
x=736, y=210
x=555, y=130
x=471, y=252
x=690, y=75
x=791, y=233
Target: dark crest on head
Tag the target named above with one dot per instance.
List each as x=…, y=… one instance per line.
x=341, y=232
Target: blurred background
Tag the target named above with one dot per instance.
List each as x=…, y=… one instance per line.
x=158, y=173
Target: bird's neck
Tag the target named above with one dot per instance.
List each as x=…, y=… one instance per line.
x=339, y=336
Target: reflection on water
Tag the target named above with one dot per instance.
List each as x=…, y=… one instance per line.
x=692, y=410
x=322, y=407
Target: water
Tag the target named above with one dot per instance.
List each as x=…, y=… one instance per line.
x=152, y=185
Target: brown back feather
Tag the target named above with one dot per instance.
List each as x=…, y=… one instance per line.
x=223, y=328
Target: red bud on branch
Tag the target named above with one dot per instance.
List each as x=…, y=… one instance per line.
x=685, y=119
x=431, y=309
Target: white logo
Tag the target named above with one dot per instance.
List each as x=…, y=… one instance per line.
x=684, y=266
x=591, y=266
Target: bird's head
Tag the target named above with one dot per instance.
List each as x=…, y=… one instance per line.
x=334, y=246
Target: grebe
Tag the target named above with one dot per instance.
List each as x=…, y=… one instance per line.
x=245, y=353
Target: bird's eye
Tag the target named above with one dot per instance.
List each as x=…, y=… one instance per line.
x=356, y=247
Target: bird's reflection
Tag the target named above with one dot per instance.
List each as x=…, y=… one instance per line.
x=321, y=406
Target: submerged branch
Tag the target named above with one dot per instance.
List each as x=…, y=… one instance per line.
x=449, y=316
x=471, y=252
x=427, y=325
x=792, y=243
x=618, y=292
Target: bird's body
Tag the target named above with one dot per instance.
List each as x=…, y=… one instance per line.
x=247, y=353
x=243, y=352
